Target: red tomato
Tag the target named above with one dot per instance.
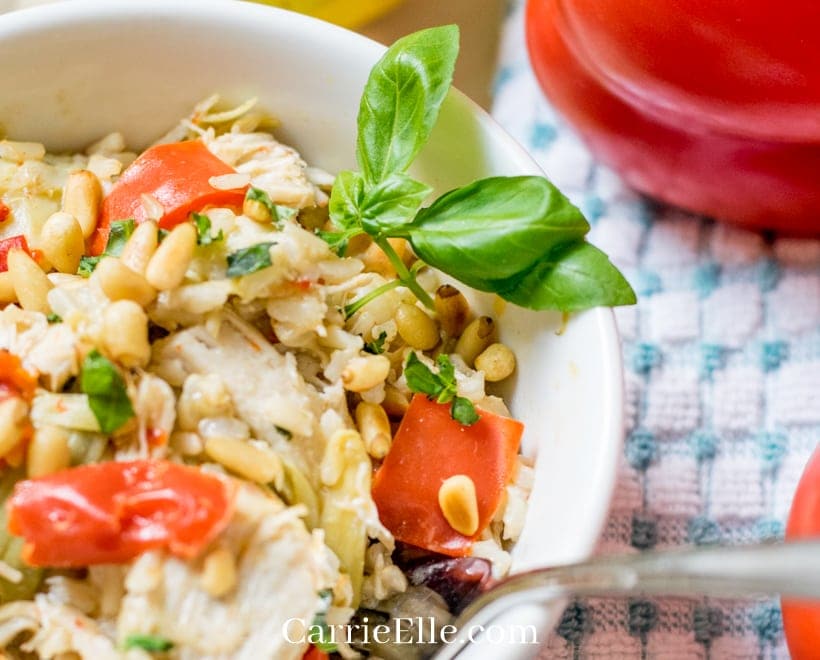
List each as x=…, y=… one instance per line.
x=111, y=512
x=801, y=621
x=314, y=654
x=714, y=106
x=14, y=379
x=430, y=447
x=8, y=244
x=5, y=211
x=176, y=175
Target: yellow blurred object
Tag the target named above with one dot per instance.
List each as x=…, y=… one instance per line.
x=347, y=13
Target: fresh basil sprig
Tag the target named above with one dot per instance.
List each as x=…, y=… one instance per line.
x=107, y=396
x=440, y=386
x=518, y=237
x=278, y=213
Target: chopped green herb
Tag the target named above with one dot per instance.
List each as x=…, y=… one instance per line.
x=278, y=213
x=107, y=395
x=150, y=643
x=440, y=386
x=249, y=260
x=376, y=347
x=203, y=230
x=121, y=231
x=161, y=234
x=284, y=432
x=321, y=635
x=87, y=265
x=51, y=317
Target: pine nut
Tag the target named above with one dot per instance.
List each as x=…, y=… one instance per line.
x=256, y=210
x=497, y=362
x=416, y=328
x=459, y=504
x=125, y=333
x=475, y=338
x=166, y=269
x=342, y=443
x=374, y=427
x=395, y=402
x=48, y=451
x=452, y=310
x=13, y=416
x=7, y=294
x=119, y=282
x=376, y=261
x=249, y=461
x=81, y=198
x=140, y=247
x=62, y=241
x=362, y=373
x=31, y=285
x=218, y=572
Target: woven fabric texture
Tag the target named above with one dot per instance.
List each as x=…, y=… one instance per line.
x=722, y=358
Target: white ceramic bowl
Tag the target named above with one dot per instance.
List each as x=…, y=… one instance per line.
x=71, y=72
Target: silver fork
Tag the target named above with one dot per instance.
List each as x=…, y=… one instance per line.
x=791, y=569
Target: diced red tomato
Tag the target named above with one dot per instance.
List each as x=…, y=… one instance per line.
x=111, y=512
x=5, y=211
x=430, y=447
x=14, y=379
x=8, y=244
x=314, y=654
x=176, y=175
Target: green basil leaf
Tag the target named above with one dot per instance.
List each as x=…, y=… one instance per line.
x=346, y=196
x=572, y=277
x=249, y=260
x=87, y=265
x=420, y=378
x=392, y=202
x=161, y=234
x=376, y=347
x=463, y=411
x=203, y=230
x=494, y=228
x=401, y=100
x=121, y=231
x=107, y=395
x=51, y=317
x=277, y=212
x=321, y=635
x=149, y=643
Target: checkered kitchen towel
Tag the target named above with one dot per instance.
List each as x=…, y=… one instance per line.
x=722, y=358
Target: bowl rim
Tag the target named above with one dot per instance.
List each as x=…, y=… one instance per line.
x=47, y=17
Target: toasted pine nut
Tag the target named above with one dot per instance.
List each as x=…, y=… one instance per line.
x=254, y=463
x=48, y=451
x=459, y=504
x=256, y=210
x=31, y=285
x=119, y=282
x=17, y=455
x=166, y=269
x=62, y=241
x=81, y=198
x=342, y=443
x=416, y=328
x=452, y=309
x=125, y=333
x=13, y=414
x=497, y=362
x=7, y=294
x=374, y=428
x=218, y=572
x=376, y=261
x=140, y=247
x=395, y=402
x=475, y=338
x=362, y=373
